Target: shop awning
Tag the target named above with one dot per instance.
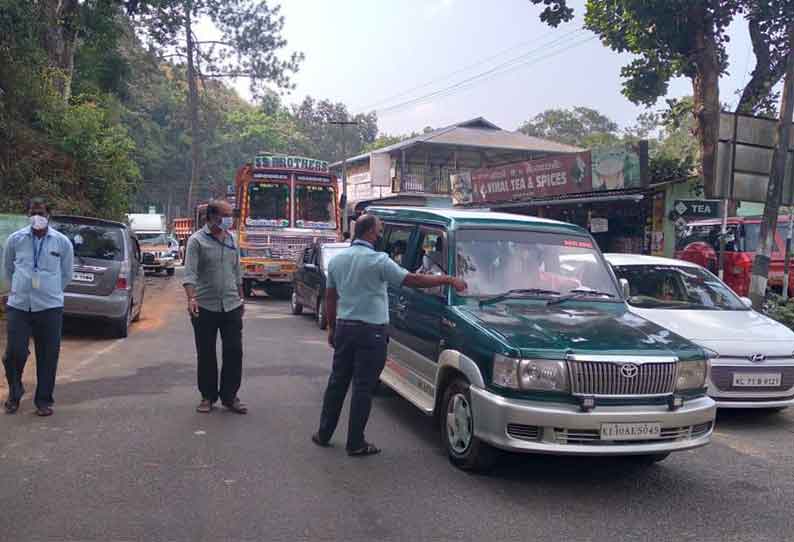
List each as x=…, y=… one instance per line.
x=635, y=195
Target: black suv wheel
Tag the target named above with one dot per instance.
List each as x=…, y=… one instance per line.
x=456, y=422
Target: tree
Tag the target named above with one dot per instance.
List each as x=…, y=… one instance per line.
x=576, y=126
x=774, y=192
x=328, y=141
x=250, y=40
x=673, y=38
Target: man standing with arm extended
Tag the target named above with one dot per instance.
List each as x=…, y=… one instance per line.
x=213, y=284
x=38, y=263
x=358, y=311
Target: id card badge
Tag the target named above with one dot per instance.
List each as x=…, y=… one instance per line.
x=36, y=282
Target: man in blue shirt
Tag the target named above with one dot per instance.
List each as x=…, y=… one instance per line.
x=357, y=306
x=38, y=264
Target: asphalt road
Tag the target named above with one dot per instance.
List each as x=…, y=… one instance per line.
x=126, y=457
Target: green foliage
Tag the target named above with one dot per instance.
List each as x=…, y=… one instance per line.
x=580, y=126
x=775, y=308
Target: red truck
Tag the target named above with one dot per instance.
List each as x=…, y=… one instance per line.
x=700, y=244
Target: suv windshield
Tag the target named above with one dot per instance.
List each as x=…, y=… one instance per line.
x=151, y=239
x=97, y=241
x=315, y=207
x=677, y=287
x=493, y=262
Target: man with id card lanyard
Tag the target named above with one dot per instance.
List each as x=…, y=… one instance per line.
x=38, y=264
x=214, y=286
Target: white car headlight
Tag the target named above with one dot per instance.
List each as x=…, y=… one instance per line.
x=530, y=375
x=691, y=374
x=543, y=375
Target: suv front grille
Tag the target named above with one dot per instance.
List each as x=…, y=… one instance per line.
x=524, y=432
x=609, y=378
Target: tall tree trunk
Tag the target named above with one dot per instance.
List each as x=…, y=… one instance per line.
x=774, y=190
x=706, y=94
x=193, y=105
x=60, y=40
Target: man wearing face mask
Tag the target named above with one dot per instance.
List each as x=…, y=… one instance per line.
x=38, y=264
x=214, y=287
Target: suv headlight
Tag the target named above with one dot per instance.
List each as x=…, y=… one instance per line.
x=691, y=374
x=530, y=374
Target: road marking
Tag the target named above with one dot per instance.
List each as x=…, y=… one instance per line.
x=71, y=374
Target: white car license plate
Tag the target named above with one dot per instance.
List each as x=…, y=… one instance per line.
x=83, y=277
x=630, y=431
x=757, y=380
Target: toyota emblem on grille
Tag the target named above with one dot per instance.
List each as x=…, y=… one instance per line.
x=629, y=370
x=757, y=358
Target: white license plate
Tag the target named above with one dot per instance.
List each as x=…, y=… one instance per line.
x=630, y=431
x=83, y=277
x=757, y=380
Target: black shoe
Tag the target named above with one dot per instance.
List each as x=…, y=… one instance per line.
x=319, y=442
x=11, y=406
x=367, y=449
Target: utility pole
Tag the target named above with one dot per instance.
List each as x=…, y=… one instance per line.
x=342, y=124
x=774, y=192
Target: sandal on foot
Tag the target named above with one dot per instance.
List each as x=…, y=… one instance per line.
x=321, y=443
x=204, y=407
x=11, y=406
x=43, y=412
x=367, y=449
x=237, y=407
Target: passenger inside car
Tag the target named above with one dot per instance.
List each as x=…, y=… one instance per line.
x=433, y=261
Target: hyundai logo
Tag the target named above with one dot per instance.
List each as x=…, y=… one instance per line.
x=629, y=370
x=757, y=358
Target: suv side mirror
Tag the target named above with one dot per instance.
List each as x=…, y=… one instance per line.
x=624, y=288
x=747, y=302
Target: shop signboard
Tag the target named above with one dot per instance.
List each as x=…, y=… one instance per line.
x=532, y=179
x=598, y=170
x=695, y=209
x=617, y=168
x=599, y=225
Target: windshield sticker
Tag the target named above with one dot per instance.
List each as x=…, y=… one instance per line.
x=576, y=243
x=275, y=223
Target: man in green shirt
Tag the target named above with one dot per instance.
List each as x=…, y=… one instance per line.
x=213, y=284
x=358, y=311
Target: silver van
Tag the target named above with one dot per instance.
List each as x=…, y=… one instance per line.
x=108, y=281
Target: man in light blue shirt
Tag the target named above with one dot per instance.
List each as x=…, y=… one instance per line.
x=357, y=309
x=37, y=263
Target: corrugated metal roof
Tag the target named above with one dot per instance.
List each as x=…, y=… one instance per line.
x=476, y=133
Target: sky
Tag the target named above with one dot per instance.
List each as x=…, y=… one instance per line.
x=375, y=54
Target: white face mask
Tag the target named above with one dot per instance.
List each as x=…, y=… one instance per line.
x=38, y=222
x=227, y=222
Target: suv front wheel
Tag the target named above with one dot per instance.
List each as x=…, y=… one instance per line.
x=464, y=449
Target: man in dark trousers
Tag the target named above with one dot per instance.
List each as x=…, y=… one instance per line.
x=358, y=312
x=38, y=264
x=214, y=286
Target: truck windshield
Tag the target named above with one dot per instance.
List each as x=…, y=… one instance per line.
x=710, y=234
x=268, y=204
x=677, y=287
x=315, y=207
x=493, y=262
x=152, y=238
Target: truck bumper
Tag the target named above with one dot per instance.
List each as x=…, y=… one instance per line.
x=557, y=428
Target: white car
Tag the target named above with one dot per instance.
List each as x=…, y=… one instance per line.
x=754, y=363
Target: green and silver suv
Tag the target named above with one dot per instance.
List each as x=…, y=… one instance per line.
x=540, y=353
